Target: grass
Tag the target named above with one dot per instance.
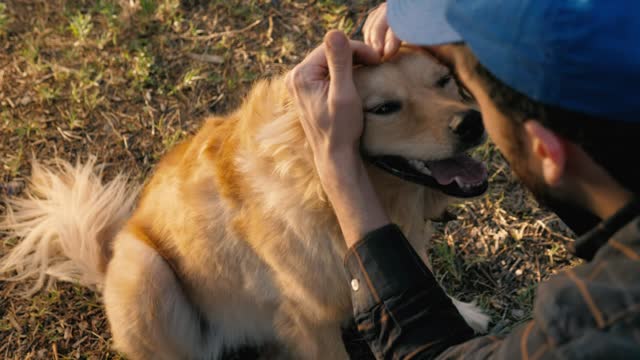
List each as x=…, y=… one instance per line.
x=4, y=18
x=80, y=26
x=126, y=83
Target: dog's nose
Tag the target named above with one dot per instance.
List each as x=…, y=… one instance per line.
x=468, y=126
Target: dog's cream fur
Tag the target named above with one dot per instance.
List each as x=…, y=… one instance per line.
x=232, y=241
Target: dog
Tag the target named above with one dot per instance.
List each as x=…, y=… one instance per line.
x=232, y=241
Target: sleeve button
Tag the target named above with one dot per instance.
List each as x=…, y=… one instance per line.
x=355, y=284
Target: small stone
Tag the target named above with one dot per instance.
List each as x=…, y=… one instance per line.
x=519, y=272
x=25, y=100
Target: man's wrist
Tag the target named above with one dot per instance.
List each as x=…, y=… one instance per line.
x=350, y=191
x=341, y=171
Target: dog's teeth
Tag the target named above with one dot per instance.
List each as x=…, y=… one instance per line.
x=420, y=166
x=467, y=186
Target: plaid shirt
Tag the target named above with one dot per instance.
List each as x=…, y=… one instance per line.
x=588, y=312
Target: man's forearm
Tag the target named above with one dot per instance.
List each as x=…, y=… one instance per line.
x=353, y=198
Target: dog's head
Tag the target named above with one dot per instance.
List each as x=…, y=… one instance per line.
x=418, y=125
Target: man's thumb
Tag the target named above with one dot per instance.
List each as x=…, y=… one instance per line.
x=339, y=59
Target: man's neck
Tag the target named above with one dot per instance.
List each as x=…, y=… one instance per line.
x=605, y=202
x=601, y=194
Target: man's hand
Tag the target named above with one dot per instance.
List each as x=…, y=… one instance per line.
x=323, y=88
x=378, y=34
x=332, y=119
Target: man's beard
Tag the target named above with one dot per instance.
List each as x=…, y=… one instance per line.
x=575, y=217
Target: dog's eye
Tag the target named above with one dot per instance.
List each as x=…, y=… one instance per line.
x=443, y=81
x=465, y=94
x=462, y=91
x=386, y=108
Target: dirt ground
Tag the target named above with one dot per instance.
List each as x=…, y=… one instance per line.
x=125, y=80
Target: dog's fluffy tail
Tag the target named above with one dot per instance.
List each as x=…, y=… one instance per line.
x=65, y=225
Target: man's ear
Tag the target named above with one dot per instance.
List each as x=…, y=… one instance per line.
x=549, y=149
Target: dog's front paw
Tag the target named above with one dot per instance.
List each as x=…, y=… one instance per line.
x=473, y=315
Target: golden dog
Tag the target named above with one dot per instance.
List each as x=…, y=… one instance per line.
x=232, y=241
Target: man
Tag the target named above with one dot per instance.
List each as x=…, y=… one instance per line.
x=556, y=82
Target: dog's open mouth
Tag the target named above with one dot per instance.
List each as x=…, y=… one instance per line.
x=459, y=176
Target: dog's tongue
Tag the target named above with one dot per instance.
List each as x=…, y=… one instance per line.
x=463, y=167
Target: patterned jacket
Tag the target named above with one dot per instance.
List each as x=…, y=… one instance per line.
x=589, y=312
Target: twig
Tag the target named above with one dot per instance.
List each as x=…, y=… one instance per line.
x=68, y=135
x=213, y=59
x=223, y=33
x=269, y=32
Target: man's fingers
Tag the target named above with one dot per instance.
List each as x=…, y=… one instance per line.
x=376, y=27
x=378, y=33
x=307, y=73
x=366, y=29
x=317, y=57
x=369, y=27
x=334, y=59
x=363, y=54
x=339, y=60
x=391, y=44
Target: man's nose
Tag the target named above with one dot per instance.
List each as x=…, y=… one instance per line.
x=468, y=127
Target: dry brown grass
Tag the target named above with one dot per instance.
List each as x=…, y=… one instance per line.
x=98, y=77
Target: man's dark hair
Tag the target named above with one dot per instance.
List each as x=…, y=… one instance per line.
x=612, y=144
